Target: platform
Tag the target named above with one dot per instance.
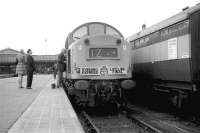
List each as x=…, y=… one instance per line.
x=14, y=101
x=51, y=112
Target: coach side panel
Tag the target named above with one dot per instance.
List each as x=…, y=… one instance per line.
x=166, y=60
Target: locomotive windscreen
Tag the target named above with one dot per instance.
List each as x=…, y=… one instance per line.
x=103, y=52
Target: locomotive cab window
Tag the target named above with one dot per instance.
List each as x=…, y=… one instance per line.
x=96, y=29
x=81, y=32
x=111, y=31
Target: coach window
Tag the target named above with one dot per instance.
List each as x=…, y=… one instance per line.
x=181, y=26
x=186, y=24
x=146, y=39
x=137, y=43
x=155, y=34
x=176, y=27
x=142, y=41
x=79, y=33
x=164, y=32
x=132, y=43
x=173, y=29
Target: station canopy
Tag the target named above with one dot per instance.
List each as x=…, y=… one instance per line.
x=8, y=57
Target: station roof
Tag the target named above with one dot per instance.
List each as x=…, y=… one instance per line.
x=45, y=58
x=8, y=51
x=8, y=56
x=11, y=58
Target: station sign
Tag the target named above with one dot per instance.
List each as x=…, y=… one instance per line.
x=103, y=70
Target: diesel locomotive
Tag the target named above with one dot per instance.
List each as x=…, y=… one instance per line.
x=98, y=62
x=166, y=56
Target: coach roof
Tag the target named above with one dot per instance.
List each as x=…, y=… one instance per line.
x=165, y=23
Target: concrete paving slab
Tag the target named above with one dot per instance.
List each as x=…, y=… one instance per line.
x=51, y=112
x=14, y=101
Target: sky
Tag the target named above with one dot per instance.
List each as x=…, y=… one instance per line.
x=43, y=25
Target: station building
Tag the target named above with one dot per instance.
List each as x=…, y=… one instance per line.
x=44, y=63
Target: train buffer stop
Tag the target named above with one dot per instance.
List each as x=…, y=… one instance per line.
x=40, y=110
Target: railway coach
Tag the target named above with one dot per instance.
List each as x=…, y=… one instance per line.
x=98, y=65
x=167, y=55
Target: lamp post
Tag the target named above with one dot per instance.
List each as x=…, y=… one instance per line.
x=45, y=40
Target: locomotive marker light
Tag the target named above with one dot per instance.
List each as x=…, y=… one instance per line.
x=81, y=85
x=128, y=84
x=118, y=41
x=87, y=41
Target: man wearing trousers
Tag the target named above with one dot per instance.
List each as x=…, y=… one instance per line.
x=61, y=67
x=30, y=68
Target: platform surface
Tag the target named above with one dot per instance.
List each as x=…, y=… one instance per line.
x=51, y=112
x=14, y=101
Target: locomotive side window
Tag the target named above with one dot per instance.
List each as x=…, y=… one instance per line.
x=80, y=33
x=103, y=52
x=95, y=29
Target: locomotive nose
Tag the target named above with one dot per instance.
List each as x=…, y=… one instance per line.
x=128, y=84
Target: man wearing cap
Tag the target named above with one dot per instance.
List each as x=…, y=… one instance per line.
x=30, y=67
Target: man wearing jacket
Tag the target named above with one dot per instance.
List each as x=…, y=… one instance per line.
x=61, y=67
x=30, y=68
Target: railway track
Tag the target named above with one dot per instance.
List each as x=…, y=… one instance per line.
x=155, y=124
x=147, y=127
x=129, y=121
x=122, y=123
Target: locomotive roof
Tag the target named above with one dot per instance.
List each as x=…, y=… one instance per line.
x=165, y=23
x=87, y=30
x=96, y=23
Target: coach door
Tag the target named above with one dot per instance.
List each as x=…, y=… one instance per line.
x=195, y=47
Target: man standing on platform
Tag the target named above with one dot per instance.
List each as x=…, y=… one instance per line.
x=30, y=68
x=61, y=67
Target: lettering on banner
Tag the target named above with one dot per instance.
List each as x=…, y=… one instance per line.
x=104, y=70
x=117, y=70
x=89, y=71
